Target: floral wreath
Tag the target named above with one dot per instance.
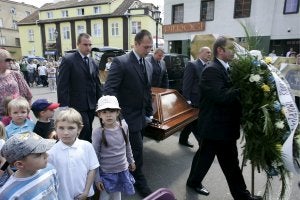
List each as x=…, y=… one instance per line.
x=270, y=119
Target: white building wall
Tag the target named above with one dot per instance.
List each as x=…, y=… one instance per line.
x=266, y=19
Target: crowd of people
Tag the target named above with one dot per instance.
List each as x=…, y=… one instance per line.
x=37, y=73
x=64, y=157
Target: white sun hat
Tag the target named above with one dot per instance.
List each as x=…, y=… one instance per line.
x=108, y=102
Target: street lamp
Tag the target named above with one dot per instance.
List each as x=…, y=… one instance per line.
x=156, y=15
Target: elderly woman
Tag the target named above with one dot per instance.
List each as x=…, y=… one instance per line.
x=12, y=82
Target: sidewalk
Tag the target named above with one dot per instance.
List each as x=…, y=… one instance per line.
x=167, y=164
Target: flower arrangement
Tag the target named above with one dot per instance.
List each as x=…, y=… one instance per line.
x=265, y=124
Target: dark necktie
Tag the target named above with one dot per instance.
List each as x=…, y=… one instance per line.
x=86, y=61
x=143, y=69
x=142, y=66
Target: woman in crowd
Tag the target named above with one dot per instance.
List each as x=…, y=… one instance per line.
x=12, y=82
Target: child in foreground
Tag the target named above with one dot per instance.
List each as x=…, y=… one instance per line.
x=34, y=178
x=18, y=110
x=75, y=159
x=114, y=152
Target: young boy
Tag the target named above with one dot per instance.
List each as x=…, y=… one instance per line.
x=76, y=159
x=18, y=110
x=34, y=179
x=44, y=112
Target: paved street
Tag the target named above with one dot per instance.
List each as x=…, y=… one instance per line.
x=167, y=164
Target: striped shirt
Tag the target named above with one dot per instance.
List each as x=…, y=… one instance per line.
x=42, y=185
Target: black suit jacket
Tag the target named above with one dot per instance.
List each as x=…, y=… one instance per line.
x=191, y=81
x=133, y=91
x=220, y=109
x=76, y=86
x=161, y=80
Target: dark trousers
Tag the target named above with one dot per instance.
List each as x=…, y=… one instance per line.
x=227, y=154
x=87, y=118
x=136, y=142
x=185, y=133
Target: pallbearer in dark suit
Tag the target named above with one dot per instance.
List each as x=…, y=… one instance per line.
x=128, y=80
x=191, y=90
x=219, y=124
x=160, y=74
x=78, y=85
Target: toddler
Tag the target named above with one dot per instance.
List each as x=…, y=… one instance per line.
x=18, y=110
x=76, y=159
x=34, y=178
x=114, y=152
x=44, y=112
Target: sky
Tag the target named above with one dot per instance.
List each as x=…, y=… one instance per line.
x=39, y=3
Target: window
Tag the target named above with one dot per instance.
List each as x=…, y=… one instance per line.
x=115, y=29
x=80, y=11
x=49, y=15
x=27, y=13
x=291, y=6
x=242, y=8
x=136, y=27
x=17, y=41
x=30, y=35
x=177, y=14
x=64, y=13
x=2, y=40
x=1, y=22
x=51, y=33
x=97, y=10
x=96, y=30
x=207, y=10
x=14, y=24
x=66, y=32
x=80, y=29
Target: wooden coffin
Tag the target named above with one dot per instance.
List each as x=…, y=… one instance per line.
x=171, y=113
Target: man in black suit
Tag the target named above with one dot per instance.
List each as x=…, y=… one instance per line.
x=78, y=85
x=219, y=124
x=160, y=74
x=190, y=90
x=128, y=80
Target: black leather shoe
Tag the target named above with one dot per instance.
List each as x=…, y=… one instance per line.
x=251, y=197
x=186, y=144
x=254, y=197
x=199, y=189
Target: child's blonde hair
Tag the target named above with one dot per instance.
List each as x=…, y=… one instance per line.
x=2, y=131
x=20, y=103
x=69, y=115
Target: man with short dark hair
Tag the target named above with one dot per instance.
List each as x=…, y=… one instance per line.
x=219, y=125
x=128, y=80
x=78, y=85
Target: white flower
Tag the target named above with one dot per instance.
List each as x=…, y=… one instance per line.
x=279, y=124
x=256, y=53
x=254, y=78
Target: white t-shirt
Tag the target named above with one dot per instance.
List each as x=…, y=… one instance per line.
x=73, y=164
x=42, y=70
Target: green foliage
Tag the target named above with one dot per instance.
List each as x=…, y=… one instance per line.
x=263, y=121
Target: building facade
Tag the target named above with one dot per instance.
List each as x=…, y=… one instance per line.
x=276, y=23
x=10, y=14
x=54, y=28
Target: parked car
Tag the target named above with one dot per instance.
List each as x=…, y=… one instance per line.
x=38, y=58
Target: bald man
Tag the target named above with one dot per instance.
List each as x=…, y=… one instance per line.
x=190, y=89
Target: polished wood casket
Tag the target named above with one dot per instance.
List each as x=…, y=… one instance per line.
x=171, y=113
